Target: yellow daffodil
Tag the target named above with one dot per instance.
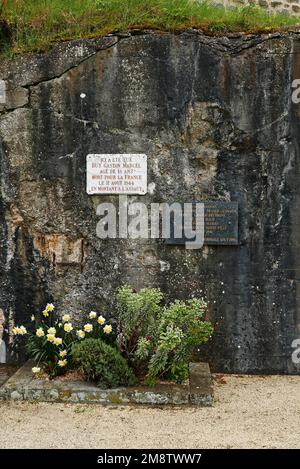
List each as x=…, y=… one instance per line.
x=101, y=320
x=62, y=363
x=66, y=318
x=40, y=332
x=49, y=307
x=45, y=313
x=68, y=327
x=35, y=369
x=88, y=328
x=19, y=330
x=92, y=315
x=50, y=337
x=57, y=341
x=81, y=334
x=107, y=329
x=51, y=330
x=63, y=353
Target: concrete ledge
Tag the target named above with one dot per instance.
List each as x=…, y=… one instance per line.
x=24, y=386
x=201, y=386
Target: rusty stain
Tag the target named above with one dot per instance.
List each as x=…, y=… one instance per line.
x=60, y=250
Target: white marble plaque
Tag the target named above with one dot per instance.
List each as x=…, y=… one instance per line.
x=116, y=174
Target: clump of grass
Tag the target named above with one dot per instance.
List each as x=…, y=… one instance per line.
x=33, y=25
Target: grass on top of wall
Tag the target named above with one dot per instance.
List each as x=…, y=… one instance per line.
x=33, y=25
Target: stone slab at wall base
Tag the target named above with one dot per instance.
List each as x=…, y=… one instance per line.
x=24, y=386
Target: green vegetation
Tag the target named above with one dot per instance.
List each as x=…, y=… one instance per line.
x=159, y=341
x=33, y=25
x=152, y=340
x=102, y=363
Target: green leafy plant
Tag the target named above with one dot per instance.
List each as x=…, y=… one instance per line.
x=102, y=363
x=153, y=340
x=159, y=341
x=137, y=316
x=181, y=330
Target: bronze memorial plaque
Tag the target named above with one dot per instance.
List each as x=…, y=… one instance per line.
x=220, y=224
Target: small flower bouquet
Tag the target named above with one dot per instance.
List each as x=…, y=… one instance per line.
x=50, y=345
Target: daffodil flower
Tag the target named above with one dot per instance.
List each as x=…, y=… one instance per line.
x=57, y=341
x=68, y=327
x=62, y=363
x=81, y=334
x=101, y=320
x=107, y=329
x=40, y=332
x=19, y=330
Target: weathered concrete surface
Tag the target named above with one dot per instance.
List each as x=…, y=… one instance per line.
x=6, y=371
x=286, y=6
x=201, y=386
x=215, y=117
x=24, y=386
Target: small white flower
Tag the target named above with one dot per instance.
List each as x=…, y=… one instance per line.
x=92, y=315
x=68, y=327
x=66, y=318
x=57, y=341
x=51, y=330
x=88, y=328
x=82, y=95
x=81, y=334
x=35, y=369
x=63, y=353
x=40, y=332
x=62, y=363
x=101, y=320
x=33, y=318
x=107, y=329
x=22, y=330
x=19, y=330
x=50, y=338
x=49, y=307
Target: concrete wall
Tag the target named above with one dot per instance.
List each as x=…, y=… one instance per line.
x=216, y=119
x=290, y=6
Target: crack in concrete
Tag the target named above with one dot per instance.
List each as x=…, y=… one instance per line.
x=56, y=77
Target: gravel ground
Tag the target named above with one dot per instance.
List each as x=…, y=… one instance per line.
x=249, y=412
